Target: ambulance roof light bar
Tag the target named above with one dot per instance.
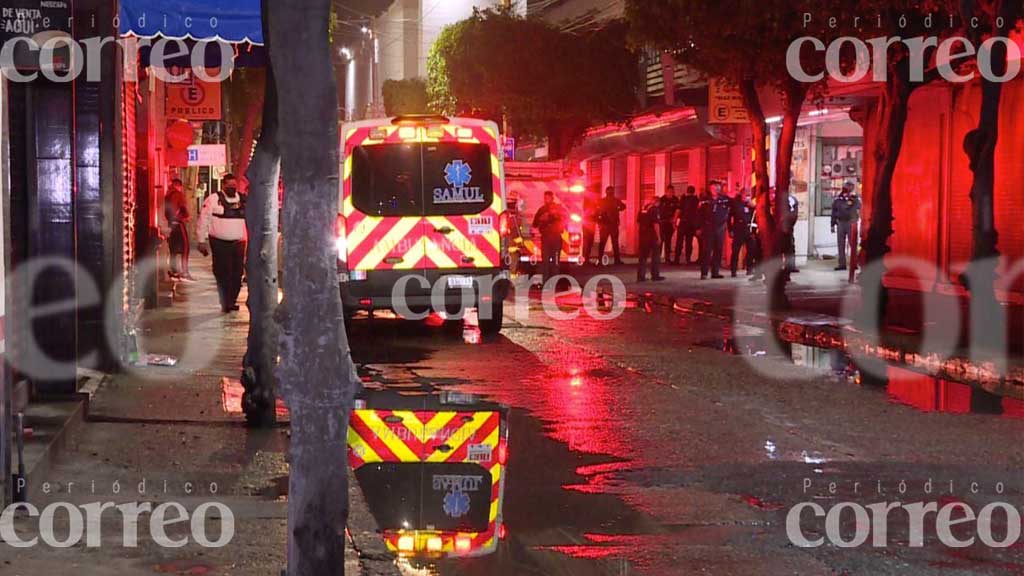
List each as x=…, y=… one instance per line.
x=419, y=119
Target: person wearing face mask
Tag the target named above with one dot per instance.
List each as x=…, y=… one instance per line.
x=222, y=233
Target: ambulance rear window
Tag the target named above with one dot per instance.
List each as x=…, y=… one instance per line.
x=387, y=180
x=457, y=178
x=422, y=179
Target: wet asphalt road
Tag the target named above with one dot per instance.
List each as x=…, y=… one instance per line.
x=637, y=446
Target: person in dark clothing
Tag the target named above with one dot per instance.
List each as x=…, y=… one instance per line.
x=222, y=231
x=177, y=215
x=668, y=207
x=845, y=214
x=739, y=228
x=715, y=219
x=608, y=212
x=789, y=234
x=551, y=221
x=589, y=232
x=649, y=225
x=687, y=223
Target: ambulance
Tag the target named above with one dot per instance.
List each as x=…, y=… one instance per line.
x=422, y=214
x=432, y=468
x=526, y=183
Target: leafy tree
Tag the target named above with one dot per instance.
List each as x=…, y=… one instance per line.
x=405, y=97
x=542, y=80
x=745, y=43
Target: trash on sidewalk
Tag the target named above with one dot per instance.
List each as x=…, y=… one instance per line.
x=157, y=360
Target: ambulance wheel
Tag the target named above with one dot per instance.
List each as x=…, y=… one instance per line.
x=492, y=326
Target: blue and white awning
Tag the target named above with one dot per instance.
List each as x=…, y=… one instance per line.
x=227, y=20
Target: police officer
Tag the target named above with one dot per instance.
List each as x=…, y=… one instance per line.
x=687, y=222
x=551, y=220
x=649, y=224
x=715, y=220
x=666, y=221
x=608, y=216
x=222, y=231
x=741, y=216
x=845, y=214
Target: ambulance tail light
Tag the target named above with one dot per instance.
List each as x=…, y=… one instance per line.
x=407, y=132
x=575, y=239
x=463, y=544
x=505, y=223
x=502, y=451
x=576, y=218
x=341, y=238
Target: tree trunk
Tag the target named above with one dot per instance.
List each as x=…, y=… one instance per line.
x=888, y=143
x=763, y=212
x=248, y=133
x=794, y=102
x=261, y=220
x=988, y=322
x=315, y=373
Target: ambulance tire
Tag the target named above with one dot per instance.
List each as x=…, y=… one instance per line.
x=492, y=327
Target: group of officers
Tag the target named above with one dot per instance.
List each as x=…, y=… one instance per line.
x=669, y=224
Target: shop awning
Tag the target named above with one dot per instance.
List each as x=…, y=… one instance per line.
x=668, y=130
x=227, y=20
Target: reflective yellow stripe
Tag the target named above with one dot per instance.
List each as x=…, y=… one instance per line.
x=388, y=243
x=460, y=242
x=437, y=255
x=391, y=440
x=347, y=208
x=361, y=448
x=361, y=231
x=411, y=258
x=439, y=421
x=348, y=168
x=461, y=436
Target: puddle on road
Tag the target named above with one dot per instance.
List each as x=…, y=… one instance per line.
x=922, y=392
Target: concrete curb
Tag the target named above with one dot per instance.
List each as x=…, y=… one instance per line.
x=374, y=557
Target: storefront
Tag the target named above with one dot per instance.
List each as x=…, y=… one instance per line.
x=827, y=152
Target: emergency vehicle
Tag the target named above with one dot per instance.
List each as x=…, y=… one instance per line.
x=423, y=203
x=526, y=183
x=432, y=469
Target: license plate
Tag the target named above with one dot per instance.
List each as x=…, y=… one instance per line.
x=460, y=282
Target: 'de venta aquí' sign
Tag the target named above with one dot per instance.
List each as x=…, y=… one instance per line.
x=31, y=17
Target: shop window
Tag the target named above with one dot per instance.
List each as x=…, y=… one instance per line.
x=841, y=159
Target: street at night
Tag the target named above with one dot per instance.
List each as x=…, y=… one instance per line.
x=511, y=287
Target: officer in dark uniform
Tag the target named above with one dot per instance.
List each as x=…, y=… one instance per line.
x=845, y=214
x=666, y=223
x=715, y=221
x=688, y=222
x=551, y=220
x=739, y=228
x=649, y=224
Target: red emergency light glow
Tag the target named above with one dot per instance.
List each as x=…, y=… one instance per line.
x=502, y=452
x=576, y=218
x=463, y=544
x=365, y=302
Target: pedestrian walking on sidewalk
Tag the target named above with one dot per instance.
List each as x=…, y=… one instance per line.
x=687, y=224
x=222, y=232
x=649, y=225
x=609, y=211
x=845, y=214
x=177, y=215
x=739, y=229
x=715, y=219
x=551, y=221
x=669, y=207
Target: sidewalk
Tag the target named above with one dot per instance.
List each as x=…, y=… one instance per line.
x=816, y=317
x=162, y=434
